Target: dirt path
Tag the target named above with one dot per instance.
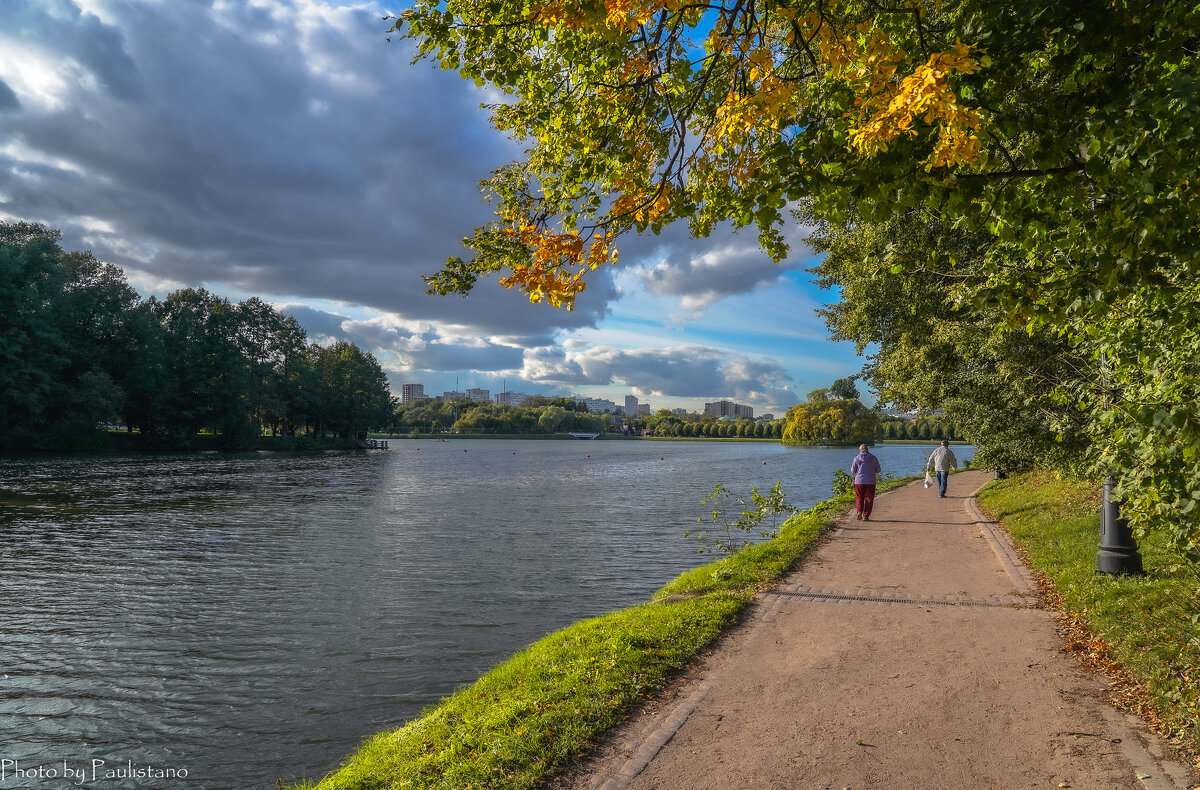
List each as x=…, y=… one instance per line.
x=907, y=652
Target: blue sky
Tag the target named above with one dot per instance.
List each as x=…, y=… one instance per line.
x=284, y=149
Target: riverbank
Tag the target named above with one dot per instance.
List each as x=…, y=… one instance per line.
x=1140, y=630
x=544, y=708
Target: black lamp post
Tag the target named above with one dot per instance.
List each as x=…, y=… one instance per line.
x=1118, y=551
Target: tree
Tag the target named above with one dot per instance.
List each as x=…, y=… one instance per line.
x=551, y=418
x=835, y=422
x=844, y=389
x=145, y=379
x=32, y=349
x=66, y=338
x=352, y=395
x=273, y=346
x=208, y=378
x=1062, y=135
x=95, y=313
x=941, y=350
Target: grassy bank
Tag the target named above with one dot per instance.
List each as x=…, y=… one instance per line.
x=1139, y=629
x=543, y=708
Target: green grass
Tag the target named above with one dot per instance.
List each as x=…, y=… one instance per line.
x=544, y=708
x=1143, y=622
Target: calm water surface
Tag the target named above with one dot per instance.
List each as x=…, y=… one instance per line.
x=249, y=617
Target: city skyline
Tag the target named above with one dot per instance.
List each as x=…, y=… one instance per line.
x=719, y=408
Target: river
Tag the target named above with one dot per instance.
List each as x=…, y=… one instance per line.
x=229, y=619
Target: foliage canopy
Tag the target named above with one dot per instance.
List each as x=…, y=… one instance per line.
x=826, y=420
x=1061, y=134
x=79, y=348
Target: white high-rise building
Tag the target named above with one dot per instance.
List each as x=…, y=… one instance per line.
x=727, y=408
x=512, y=398
x=411, y=392
x=631, y=404
x=479, y=395
x=597, y=405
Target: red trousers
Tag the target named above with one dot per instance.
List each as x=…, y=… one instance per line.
x=864, y=497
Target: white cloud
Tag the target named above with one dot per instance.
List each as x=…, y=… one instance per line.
x=702, y=272
x=679, y=372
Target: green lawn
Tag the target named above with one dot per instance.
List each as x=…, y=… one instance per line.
x=1143, y=626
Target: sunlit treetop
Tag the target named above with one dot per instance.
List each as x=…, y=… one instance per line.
x=640, y=113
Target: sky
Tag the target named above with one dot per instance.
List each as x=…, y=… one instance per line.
x=285, y=149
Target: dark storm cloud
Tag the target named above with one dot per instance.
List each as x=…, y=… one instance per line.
x=281, y=150
x=403, y=346
x=8, y=99
x=317, y=323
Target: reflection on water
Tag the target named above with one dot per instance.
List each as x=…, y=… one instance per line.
x=246, y=617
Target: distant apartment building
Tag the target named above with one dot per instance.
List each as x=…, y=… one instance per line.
x=631, y=404
x=479, y=395
x=597, y=405
x=452, y=395
x=512, y=398
x=727, y=408
x=644, y=409
x=411, y=392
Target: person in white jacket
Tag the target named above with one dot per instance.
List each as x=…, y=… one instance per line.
x=942, y=460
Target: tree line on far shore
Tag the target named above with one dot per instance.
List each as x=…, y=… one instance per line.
x=831, y=416
x=80, y=349
x=537, y=415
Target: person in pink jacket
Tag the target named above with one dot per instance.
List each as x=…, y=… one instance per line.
x=865, y=470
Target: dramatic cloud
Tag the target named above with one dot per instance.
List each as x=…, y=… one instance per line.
x=275, y=148
x=683, y=372
x=411, y=350
x=409, y=347
x=283, y=148
x=703, y=271
x=8, y=99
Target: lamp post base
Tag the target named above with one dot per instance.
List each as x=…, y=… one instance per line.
x=1118, y=552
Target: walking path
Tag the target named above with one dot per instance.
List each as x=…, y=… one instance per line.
x=907, y=652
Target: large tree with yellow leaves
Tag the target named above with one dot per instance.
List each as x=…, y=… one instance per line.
x=1064, y=132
